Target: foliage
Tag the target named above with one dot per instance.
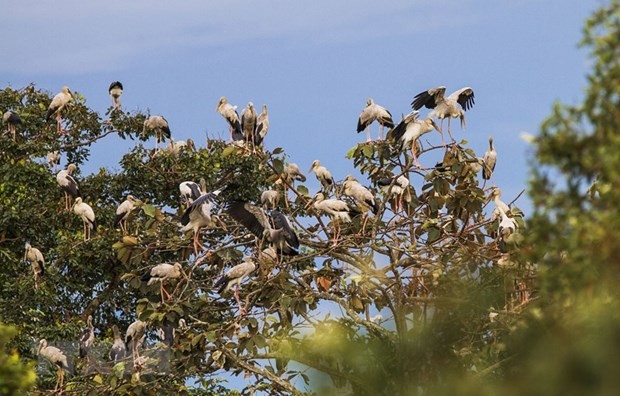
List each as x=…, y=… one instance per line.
x=16, y=377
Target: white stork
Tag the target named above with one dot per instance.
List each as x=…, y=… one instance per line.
x=262, y=126
x=175, y=147
x=234, y=276
x=53, y=159
x=160, y=126
x=336, y=209
x=68, y=184
x=161, y=273
x=118, y=350
x=229, y=112
x=122, y=213
x=500, y=205
x=269, y=199
x=360, y=194
x=58, y=103
x=191, y=191
x=133, y=335
x=248, y=123
x=395, y=187
x=58, y=358
x=198, y=215
x=87, y=338
x=11, y=119
x=489, y=160
x=292, y=173
x=116, y=90
x=37, y=263
x=409, y=130
x=443, y=107
x=84, y=210
x=274, y=226
x=323, y=175
x=373, y=112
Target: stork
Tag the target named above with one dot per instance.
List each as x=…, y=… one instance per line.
x=234, y=276
x=336, y=209
x=11, y=119
x=290, y=174
x=198, y=215
x=409, y=130
x=161, y=273
x=58, y=103
x=122, y=213
x=229, y=112
x=323, y=175
x=396, y=187
x=37, y=263
x=87, y=338
x=281, y=233
x=58, y=358
x=500, y=205
x=248, y=123
x=84, y=210
x=53, y=159
x=174, y=148
x=360, y=194
x=262, y=126
x=443, y=107
x=68, y=184
x=373, y=112
x=489, y=160
x=190, y=191
x=269, y=199
x=134, y=333
x=116, y=90
x=118, y=350
x=160, y=126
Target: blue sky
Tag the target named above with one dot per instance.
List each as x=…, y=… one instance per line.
x=313, y=63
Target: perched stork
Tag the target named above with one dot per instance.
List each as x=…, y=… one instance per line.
x=118, y=350
x=443, y=107
x=58, y=358
x=190, y=191
x=489, y=160
x=174, y=148
x=274, y=226
x=248, y=123
x=234, y=276
x=323, y=175
x=116, y=90
x=37, y=263
x=198, y=215
x=262, y=126
x=53, y=159
x=58, y=104
x=161, y=273
x=84, y=210
x=134, y=333
x=11, y=119
x=373, y=112
x=160, y=126
x=395, y=187
x=87, y=338
x=68, y=184
x=122, y=213
x=409, y=130
x=360, y=194
x=269, y=199
x=500, y=205
x=229, y=112
x=292, y=173
x=337, y=210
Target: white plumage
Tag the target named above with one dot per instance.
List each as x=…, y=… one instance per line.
x=161, y=273
x=58, y=103
x=37, y=263
x=68, y=184
x=234, y=276
x=58, y=358
x=373, y=112
x=323, y=175
x=360, y=193
x=116, y=90
x=87, y=338
x=84, y=210
x=198, y=215
x=160, y=126
x=262, y=126
x=248, y=122
x=11, y=119
x=229, y=112
x=190, y=191
x=118, y=350
x=134, y=333
x=123, y=211
x=269, y=199
x=489, y=160
x=53, y=159
x=395, y=187
x=409, y=130
x=337, y=210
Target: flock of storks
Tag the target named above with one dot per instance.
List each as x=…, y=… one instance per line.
x=266, y=222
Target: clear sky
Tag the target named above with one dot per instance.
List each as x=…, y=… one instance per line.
x=314, y=64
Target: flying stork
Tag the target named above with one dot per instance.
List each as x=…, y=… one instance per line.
x=68, y=184
x=373, y=112
x=116, y=90
x=11, y=119
x=234, y=276
x=57, y=105
x=229, y=112
x=84, y=210
x=443, y=107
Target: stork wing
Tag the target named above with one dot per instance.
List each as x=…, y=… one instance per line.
x=251, y=217
x=166, y=128
x=366, y=118
x=465, y=97
x=210, y=198
x=281, y=222
x=429, y=99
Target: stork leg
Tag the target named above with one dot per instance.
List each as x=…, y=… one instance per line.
x=367, y=135
x=450, y=133
x=381, y=132
x=415, y=156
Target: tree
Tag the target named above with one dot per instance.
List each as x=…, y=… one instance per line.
x=424, y=293
x=15, y=376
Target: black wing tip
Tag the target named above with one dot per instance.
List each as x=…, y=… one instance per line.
x=115, y=84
